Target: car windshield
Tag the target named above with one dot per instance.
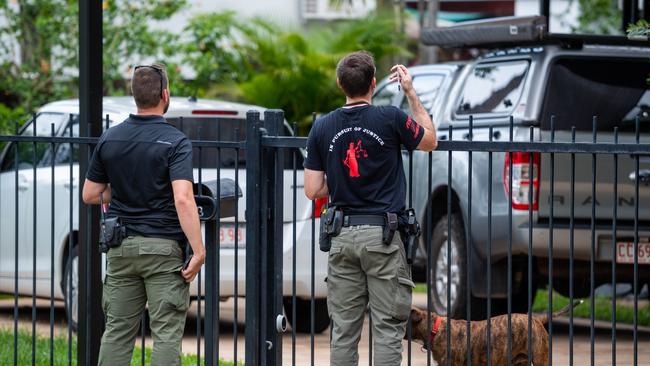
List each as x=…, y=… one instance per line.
x=493, y=88
x=28, y=153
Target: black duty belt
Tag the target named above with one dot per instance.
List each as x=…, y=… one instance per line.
x=372, y=220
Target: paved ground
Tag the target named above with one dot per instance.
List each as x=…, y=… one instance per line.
x=303, y=355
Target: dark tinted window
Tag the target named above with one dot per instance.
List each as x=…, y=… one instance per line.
x=385, y=95
x=221, y=129
x=493, y=88
x=427, y=87
x=615, y=91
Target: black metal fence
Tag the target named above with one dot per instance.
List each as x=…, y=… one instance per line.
x=511, y=215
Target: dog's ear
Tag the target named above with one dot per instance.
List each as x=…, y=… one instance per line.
x=415, y=316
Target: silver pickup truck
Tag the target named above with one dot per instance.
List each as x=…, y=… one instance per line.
x=531, y=84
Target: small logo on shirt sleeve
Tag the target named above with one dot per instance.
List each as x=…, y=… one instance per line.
x=413, y=126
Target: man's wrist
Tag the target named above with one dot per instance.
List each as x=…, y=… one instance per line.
x=199, y=253
x=410, y=93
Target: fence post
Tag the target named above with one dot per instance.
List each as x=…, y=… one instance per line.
x=253, y=238
x=273, y=244
x=91, y=318
x=211, y=299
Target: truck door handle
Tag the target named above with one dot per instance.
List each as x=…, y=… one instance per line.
x=496, y=135
x=66, y=185
x=467, y=136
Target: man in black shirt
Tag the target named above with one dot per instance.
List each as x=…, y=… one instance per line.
x=143, y=168
x=354, y=157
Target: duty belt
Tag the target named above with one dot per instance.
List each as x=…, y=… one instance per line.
x=372, y=220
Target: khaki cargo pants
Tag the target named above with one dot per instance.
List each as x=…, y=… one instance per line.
x=363, y=270
x=144, y=271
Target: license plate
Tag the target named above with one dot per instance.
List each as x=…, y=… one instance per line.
x=625, y=252
x=227, y=236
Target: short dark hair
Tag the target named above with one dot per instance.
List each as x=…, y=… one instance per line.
x=147, y=85
x=355, y=73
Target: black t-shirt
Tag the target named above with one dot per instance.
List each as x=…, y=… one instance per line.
x=140, y=158
x=359, y=149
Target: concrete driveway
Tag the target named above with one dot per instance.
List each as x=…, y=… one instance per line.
x=320, y=354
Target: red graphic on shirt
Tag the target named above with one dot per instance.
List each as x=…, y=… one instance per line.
x=354, y=152
x=413, y=126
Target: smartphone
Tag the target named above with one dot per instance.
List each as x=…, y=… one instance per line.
x=188, y=258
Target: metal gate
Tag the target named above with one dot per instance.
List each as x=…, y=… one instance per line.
x=543, y=239
x=560, y=234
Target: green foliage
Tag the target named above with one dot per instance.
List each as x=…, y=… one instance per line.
x=39, y=65
x=258, y=62
x=60, y=354
x=232, y=58
x=43, y=34
x=9, y=117
x=598, y=17
x=128, y=37
x=211, y=52
x=602, y=308
x=640, y=29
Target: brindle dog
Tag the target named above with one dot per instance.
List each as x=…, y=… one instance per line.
x=478, y=331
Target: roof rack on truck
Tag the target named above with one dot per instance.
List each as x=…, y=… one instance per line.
x=515, y=31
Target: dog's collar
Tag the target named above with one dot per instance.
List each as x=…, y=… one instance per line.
x=434, y=330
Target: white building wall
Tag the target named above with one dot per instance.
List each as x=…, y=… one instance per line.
x=564, y=13
x=284, y=12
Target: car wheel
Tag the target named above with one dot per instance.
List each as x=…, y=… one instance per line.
x=441, y=268
x=71, y=297
x=303, y=315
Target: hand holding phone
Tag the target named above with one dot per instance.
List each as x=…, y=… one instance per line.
x=187, y=261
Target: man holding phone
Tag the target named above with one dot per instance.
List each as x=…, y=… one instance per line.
x=143, y=167
x=354, y=158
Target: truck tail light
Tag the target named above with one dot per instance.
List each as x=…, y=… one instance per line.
x=319, y=204
x=522, y=179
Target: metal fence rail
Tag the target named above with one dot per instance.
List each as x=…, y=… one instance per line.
x=279, y=271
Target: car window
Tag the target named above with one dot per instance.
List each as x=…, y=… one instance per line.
x=63, y=152
x=493, y=88
x=614, y=90
x=385, y=95
x=44, y=123
x=427, y=87
x=221, y=129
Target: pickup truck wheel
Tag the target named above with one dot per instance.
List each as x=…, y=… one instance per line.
x=303, y=315
x=71, y=298
x=458, y=269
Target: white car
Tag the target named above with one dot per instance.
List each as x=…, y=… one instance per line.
x=211, y=119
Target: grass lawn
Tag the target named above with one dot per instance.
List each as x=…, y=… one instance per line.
x=61, y=351
x=603, y=307
x=6, y=296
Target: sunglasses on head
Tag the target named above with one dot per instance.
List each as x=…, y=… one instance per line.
x=159, y=70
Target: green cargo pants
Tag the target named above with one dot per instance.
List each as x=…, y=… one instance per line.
x=363, y=270
x=144, y=270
